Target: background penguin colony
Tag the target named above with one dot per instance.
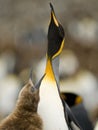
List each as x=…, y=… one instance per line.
x=81, y=79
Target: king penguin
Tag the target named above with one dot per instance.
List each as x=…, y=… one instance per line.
x=54, y=111
x=25, y=116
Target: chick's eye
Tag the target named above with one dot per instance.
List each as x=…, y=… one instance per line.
x=33, y=89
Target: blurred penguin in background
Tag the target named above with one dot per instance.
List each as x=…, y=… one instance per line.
x=85, y=84
x=10, y=83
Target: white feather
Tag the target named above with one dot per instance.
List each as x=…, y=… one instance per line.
x=50, y=107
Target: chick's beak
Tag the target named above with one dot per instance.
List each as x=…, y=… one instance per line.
x=37, y=86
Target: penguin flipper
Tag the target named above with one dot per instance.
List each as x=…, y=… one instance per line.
x=70, y=119
x=82, y=116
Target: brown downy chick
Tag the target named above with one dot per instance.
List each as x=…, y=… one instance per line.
x=24, y=116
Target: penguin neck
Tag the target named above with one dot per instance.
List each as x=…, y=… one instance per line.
x=52, y=69
x=49, y=70
x=21, y=111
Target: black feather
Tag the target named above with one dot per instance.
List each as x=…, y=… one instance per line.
x=81, y=115
x=70, y=117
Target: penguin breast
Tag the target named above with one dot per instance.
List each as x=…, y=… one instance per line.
x=50, y=107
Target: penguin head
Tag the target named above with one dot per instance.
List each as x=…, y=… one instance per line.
x=29, y=96
x=55, y=36
x=72, y=99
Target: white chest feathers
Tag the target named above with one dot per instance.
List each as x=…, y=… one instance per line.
x=50, y=107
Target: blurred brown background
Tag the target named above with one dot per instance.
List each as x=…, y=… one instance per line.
x=24, y=24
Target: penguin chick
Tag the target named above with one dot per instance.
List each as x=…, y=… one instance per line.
x=24, y=116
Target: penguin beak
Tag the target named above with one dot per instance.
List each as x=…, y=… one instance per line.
x=30, y=78
x=37, y=86
x=53, y=16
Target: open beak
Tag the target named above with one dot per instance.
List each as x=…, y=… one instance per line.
x=37, y=86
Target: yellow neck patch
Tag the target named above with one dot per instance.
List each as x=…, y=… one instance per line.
x=49, y=71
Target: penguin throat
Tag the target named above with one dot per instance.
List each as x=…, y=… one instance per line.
x=49, y=71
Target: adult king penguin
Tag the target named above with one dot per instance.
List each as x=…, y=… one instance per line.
x=54, y=112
